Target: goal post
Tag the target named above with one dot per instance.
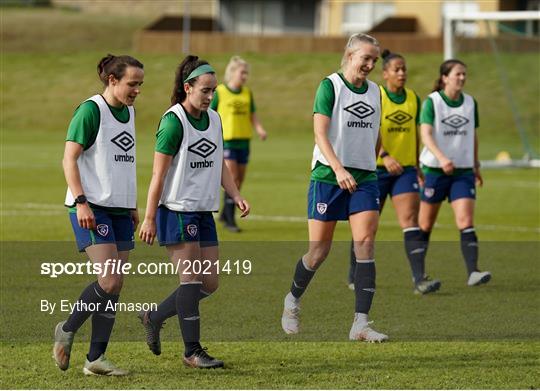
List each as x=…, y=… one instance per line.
x=505, y=16
x=480, y=25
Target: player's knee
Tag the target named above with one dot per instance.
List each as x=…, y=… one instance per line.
x=112, y=285
x=365, y=240
x=316, y=256
x=364, y=247
x=426, y=226
x=463, y=222
x=210, y=287
x=409, y=219
x=190, y=278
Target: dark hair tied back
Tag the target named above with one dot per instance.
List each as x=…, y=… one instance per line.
x=385, y=53
x=444, y=70
x=116, y=66
x=388, y=56
x=104, y=61
x=187, y=66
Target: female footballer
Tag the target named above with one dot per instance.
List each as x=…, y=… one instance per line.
x=99, y=166
x=233, y=100
x=449, y=120
x=183, y=193
x=398, y=175
x=343, y=183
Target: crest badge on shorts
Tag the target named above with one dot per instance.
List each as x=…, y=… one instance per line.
x=429, y=191
x=102, y=229
x=321, y=207
x=192, y=230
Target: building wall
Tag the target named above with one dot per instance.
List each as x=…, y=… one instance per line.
x=427, y=12
x=335, y=17
x=203, y=8
x=329, y=19
x=214, y=42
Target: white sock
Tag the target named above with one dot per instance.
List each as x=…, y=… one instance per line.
x=290, y=299
x=360, y=318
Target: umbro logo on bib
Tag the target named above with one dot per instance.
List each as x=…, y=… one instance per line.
x=124, y=141
x=360, y=109
x=455, y=121
x=399, y=117
x=203, y=148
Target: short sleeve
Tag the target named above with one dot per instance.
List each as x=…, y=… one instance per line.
x=418, y=107
x=324, y=98
x=169, y=134
x=252, y=102
x=215, y=101
x=84, y=125
x=427, y=115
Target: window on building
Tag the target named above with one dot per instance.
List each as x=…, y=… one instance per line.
x=361, y=17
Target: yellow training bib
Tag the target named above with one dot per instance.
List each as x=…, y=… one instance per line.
x=235, y=111
x=398, y=128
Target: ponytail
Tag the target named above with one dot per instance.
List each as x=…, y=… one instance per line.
x=182, y=72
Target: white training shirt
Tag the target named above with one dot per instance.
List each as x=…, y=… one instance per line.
x=193, y=181
x=453, y=131
x=107, y=168
x=354, y=126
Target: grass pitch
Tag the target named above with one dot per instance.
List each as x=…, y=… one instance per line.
x=461, y=337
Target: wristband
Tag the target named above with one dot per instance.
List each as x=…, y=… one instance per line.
x=384, y=154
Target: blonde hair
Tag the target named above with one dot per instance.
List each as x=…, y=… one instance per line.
x=352, y=45
x=234, y=63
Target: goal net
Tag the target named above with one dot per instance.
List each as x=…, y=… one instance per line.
x=502, y=50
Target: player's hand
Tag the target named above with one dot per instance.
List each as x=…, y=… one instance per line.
x=478, y=177
x=148, y=231
x=243, y=205
x=345, y=180
x=392, y=165
x=447, y=166
x=135, y=218
x=85, y=216
x=262, y=134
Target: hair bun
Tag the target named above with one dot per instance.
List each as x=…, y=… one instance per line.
x=385, y=53
x=104, y=61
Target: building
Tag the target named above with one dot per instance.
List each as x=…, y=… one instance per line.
x=314, y=17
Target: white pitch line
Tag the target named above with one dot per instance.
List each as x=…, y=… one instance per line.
x=486, y=227
x=55, y=209
x=32, y=212
x=34, y=205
